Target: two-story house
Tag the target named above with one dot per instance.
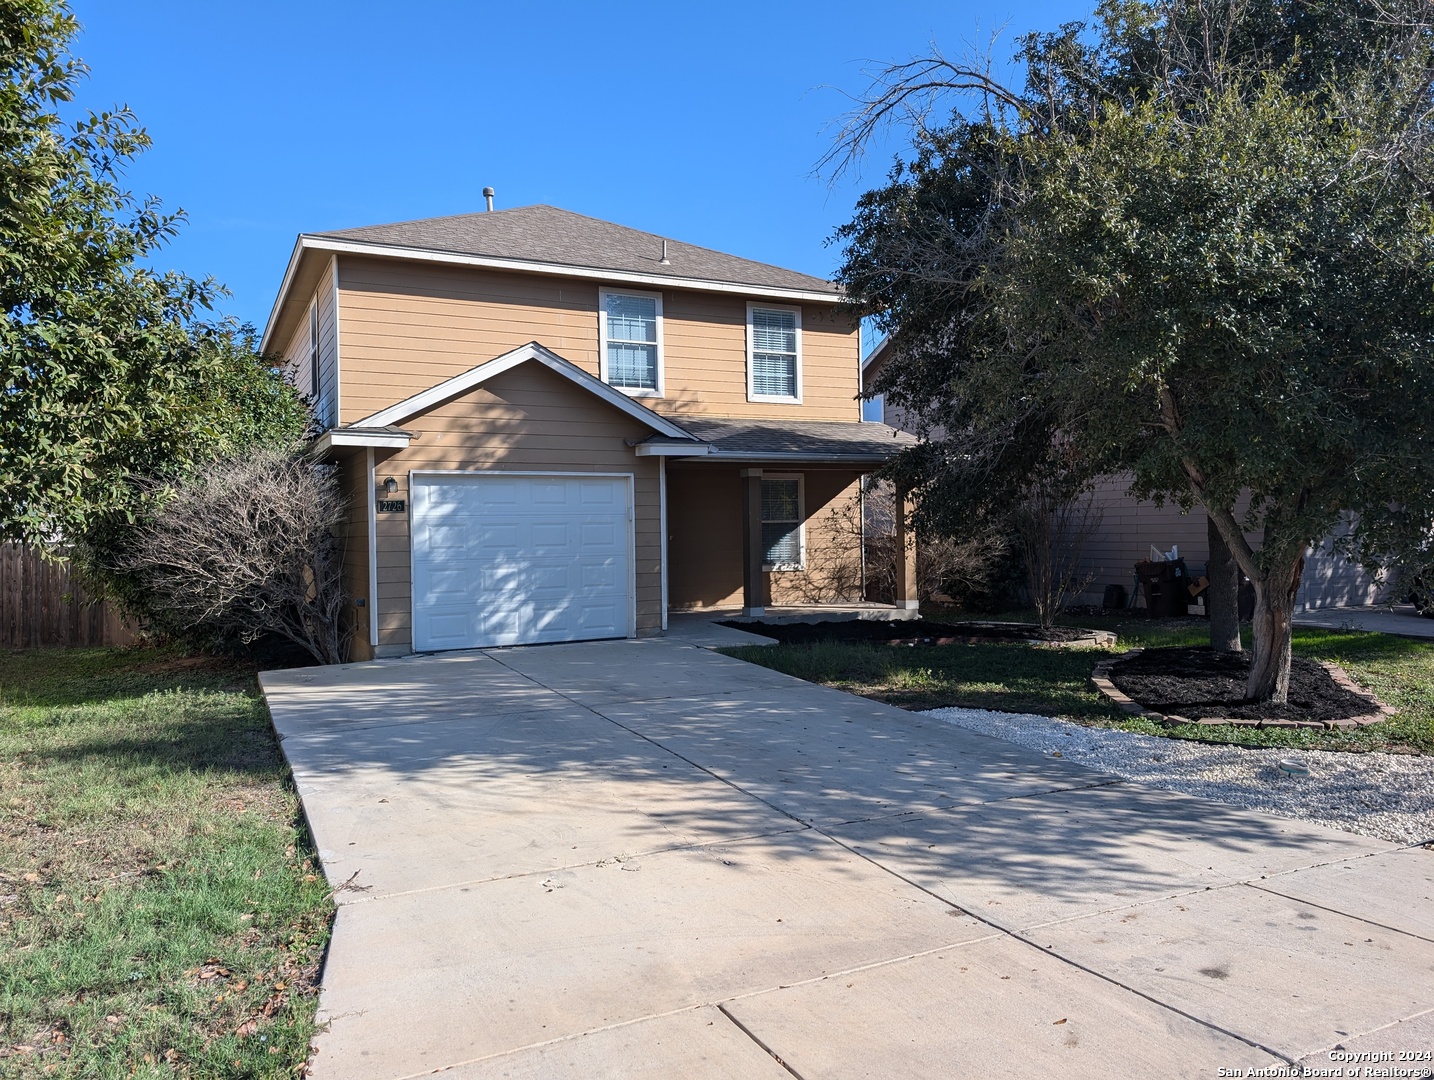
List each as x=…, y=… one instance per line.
x=554, y=428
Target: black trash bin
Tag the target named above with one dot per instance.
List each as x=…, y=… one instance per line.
x=1166, y=586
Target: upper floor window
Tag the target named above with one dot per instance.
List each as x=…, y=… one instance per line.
x=774, y=355
x=630, y=328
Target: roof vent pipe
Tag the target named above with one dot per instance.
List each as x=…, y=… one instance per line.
x=488, y=198
x=665, y=261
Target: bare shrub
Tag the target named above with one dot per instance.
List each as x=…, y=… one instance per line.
x=948, y=569
x=247, y=547
x=1052, y=532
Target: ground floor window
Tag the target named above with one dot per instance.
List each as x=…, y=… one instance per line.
x=782, y=547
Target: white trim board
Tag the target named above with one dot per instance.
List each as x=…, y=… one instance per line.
x=372, y=515
x=450, y=388
x=388, y=441
x=661, y=524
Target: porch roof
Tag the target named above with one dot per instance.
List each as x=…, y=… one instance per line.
x=850, y=442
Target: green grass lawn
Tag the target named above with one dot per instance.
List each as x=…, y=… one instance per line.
x=1056, y=682
x=161, y=911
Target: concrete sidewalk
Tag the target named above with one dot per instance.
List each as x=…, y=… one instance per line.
x=645, y=859
x=1399, y=619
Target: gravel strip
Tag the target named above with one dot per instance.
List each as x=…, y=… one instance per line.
x=1389, y=796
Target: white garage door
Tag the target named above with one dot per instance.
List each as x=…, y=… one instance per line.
x=520, y=560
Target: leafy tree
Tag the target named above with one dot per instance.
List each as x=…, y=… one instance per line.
x=1198, y=246
x=109, y=370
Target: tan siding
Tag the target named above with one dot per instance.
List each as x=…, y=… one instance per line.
x=521, y=420
x=704, y=514
x=706, y=361
x=408, y=326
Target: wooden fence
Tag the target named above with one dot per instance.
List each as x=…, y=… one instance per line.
x=43, y=603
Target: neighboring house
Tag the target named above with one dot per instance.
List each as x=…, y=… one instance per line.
x=554, y=428
x=1129, y=527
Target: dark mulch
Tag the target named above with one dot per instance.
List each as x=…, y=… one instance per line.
x=914, y=631
x=1201, y=683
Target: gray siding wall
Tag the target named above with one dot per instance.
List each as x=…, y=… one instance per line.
x=327, y=404
x=1129, y=527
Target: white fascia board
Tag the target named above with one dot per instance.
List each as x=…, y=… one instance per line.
x=625, y=277
x=330, y=439
x=436, y=395
x=289, y=272
x=643, y=449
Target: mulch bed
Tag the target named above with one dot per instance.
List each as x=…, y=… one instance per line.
x=1201, y=685
x=910, y=632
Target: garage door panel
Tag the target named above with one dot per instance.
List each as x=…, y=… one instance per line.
x=591, y=617
x=597, y=575
x=438, y=586
x=498, y=491
x=504, y=560
x=550, y=492
x=447, y=630
x=601, y=535
x=552, y=535
x=555, y=581
x=599, y=494
x=440, y=537
x=498, y=537
x=503, y=626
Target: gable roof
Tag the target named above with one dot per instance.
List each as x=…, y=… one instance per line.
x=436, y=395
x=539, y=240
x=560, y=238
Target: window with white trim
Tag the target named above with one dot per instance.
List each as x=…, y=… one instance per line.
x=782, y=539
x=774, y=357
x=630, y=326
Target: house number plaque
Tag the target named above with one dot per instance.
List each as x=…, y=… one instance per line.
x=391, y=506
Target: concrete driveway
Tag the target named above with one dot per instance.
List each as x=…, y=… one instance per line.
x=645, y=859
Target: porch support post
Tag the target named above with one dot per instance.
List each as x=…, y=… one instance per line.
x=905, y=553
x=753, y=598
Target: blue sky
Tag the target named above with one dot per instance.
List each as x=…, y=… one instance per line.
x=700, y=122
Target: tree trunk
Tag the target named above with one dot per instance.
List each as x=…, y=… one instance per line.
x=1222, y=596
x=1274, y=625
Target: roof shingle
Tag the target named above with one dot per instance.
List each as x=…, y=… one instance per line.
x=547, y=234
x=793, y=439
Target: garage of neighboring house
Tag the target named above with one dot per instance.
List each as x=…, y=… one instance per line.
x=519, y=559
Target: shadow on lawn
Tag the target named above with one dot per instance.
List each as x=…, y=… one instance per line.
x=57, y=677
x=198, y=745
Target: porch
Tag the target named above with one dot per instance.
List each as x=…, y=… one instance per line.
x=771, y=522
